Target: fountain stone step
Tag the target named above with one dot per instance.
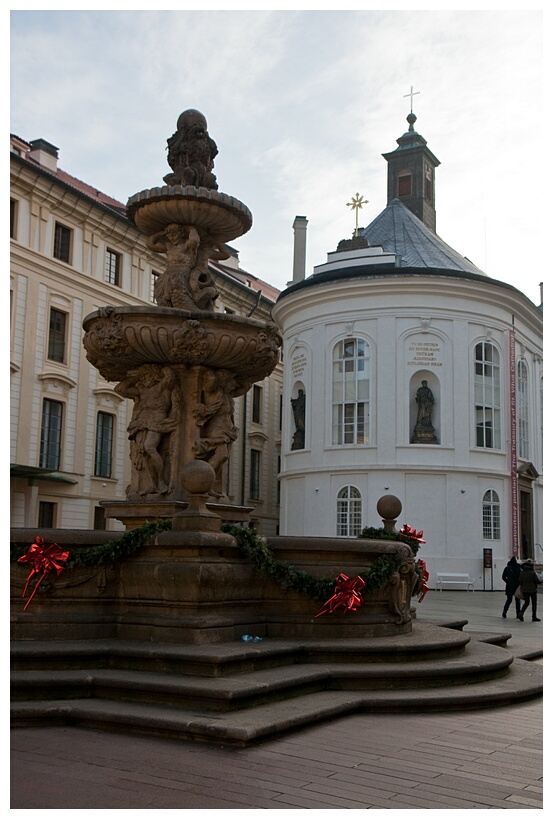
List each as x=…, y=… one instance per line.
x=247, y=726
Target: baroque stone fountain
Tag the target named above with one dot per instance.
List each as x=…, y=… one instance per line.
x=181, y=362
x=151, y=644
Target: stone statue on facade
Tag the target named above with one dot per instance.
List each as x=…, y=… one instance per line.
x=424, y=431
x=298, y=408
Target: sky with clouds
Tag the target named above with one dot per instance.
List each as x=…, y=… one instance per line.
x=302, y=105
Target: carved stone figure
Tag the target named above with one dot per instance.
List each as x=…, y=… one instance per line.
x=190, y=152
x=156, y=414
x=298, y=408
x=215, y=415
x=424, y=431
x=187, y=283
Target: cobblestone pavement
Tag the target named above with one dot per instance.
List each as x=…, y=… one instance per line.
x=487, y=759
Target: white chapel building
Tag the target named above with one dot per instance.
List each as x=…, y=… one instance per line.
x=408, y=371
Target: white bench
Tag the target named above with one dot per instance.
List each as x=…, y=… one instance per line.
x=452, y=579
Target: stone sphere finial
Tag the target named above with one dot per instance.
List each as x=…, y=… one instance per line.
x=198, y=477
x=389, y=508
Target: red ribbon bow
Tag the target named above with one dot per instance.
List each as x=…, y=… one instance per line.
x=346, y=595
x=422, y=588
x=412, y=533
x=43, y=559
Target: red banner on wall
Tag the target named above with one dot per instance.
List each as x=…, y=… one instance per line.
x=513, y=442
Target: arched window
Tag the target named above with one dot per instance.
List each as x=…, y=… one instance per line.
x=522, y=410
x=487, y=395
x=491, y=529
x=350, y=392
x=348, y=512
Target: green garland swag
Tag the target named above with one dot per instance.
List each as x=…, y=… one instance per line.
x=251, y=547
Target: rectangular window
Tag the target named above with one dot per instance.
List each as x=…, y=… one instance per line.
x=13, y=218
x=104, y=442
x=46, y=515
x=255, y=464
x=56, y=335
x=50, y=434
x=99, y=517
x=153, y=279
x=256, y=404
x=404, y=185
x=113, y=267
x=62, y=243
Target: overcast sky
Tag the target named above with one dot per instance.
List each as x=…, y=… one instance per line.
x=302, y=104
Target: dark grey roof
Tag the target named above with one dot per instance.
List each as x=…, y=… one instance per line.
x=399, y=231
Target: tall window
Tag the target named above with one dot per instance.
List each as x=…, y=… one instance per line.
x=255, y=471
x=350, y=392
x=56, y=335
x=104, y=443
x=404, y=186
x=113, y=267
x=490, y=516
x=348, y=512
x=153, y=279
x=62, y=243
x=487, y=395
x=428, y=181
x=46, y=514
x=256, y=404
x=522, y=410
x=50, y=434
x=13, y=218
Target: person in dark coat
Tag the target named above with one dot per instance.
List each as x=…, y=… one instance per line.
x=529, y=582
x=510, y=576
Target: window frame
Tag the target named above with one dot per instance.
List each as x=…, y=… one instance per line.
x=523, y=414
x=63, y=243
x=487, y=395
x=255, y=474
x=112, y=276
x=491, y=515
x=103, y=445
x=57, y=338
x=51, y=434
x=350, y=408
x=349, y=511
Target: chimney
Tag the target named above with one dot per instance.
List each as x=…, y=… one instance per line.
x=300, y=243
x=44, y=153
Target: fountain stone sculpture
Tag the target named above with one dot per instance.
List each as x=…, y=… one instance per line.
x=180, y=362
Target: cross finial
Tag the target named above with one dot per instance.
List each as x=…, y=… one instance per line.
x=357, y=202
x=411, y=94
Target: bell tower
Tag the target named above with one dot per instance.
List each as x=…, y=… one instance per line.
x=411, y=169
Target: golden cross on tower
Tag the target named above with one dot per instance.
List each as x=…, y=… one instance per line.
x=357, y=202
x=411, y=94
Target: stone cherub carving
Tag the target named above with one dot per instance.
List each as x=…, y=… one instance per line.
x=190, y=152
x=156, y=414
x=187, y=283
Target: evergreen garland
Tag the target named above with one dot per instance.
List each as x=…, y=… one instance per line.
x=288, y=577
x=114, y=551
x=251, y=547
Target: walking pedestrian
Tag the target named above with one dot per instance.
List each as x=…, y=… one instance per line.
x=529, y=582
x=511, y=578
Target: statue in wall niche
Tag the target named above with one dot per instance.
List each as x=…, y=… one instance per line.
x=424, y=431
x=187, y=283
x=190, y=152
x=215, y=416
x=155, y=416
x=298, y=408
